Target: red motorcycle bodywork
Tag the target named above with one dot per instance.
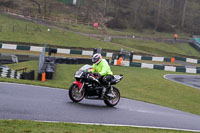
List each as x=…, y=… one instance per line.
x=79, y=84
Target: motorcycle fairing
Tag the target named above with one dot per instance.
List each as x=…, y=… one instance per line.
x=79, y=84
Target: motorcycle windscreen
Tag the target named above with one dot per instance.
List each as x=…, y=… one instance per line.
x=85, y=67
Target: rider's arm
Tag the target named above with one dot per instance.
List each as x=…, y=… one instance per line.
x=105, y=68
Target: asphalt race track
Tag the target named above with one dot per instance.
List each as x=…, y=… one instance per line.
x=26, y=102
x=189, y=80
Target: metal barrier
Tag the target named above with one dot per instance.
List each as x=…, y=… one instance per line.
x=9, y=73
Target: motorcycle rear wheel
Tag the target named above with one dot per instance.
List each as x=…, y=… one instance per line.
x=74, y=93
x=113, y=101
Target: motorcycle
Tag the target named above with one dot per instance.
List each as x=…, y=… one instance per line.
x=88, y=86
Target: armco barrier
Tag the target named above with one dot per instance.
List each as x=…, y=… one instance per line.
x=7, y=72
x=161, y=67
x=58, y=50
x=165, y=59
x=189, y=60
x=90, y=53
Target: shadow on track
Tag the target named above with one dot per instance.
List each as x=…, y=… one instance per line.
x=91, y=106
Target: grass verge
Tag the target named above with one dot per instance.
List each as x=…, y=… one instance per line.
x=128, y=32
x=17, y=30
x=18, y=126
x=160, y=49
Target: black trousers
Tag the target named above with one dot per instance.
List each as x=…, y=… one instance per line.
x=104, y=80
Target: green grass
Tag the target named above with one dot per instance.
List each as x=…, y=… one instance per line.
x=150, y=86
x=127, y=32
x=79, y=28
x=18, y=126
x=25, y=31
x=139, y=84
x=159, y=48
x=154, y=89
x=147, y=33
x=17, y=30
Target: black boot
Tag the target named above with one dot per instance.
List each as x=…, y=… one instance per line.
x=110, y=92
x=103, y=92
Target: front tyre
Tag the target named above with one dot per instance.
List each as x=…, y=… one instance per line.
x=113, y=101
x=74, y=93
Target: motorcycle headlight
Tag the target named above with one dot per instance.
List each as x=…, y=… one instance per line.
x=78, y=74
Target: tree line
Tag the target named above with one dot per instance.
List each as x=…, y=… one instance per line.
x=156, y=15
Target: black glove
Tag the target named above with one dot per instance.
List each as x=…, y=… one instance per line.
x=96, y=74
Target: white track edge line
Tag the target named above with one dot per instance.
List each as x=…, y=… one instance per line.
x=180, y=82
x=117, y=125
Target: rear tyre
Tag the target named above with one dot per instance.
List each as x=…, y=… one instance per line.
x=113, y=101
x=74, y=93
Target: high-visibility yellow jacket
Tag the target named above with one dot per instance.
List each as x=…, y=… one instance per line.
x=102, y=68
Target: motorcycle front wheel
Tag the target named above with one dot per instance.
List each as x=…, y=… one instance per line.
x=113, y=101
x=74, y=93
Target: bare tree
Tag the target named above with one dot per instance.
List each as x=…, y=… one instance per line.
x=38, y=3
x=89, y=8
x=45, y=6
x=105, y=7
x=184, y=12
x=158, y=16
x=136, y=7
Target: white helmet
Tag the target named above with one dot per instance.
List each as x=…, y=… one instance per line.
x=96, y=58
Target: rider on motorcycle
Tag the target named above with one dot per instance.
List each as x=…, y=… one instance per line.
x=102, y=69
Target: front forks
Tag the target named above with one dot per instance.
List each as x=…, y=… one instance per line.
x=81, y=87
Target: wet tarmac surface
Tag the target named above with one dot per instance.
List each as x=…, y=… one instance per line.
x=27, y=102
x=189, y=80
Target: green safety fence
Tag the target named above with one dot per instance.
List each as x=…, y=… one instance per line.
x=19, y=47
x=166, y=67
